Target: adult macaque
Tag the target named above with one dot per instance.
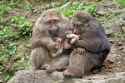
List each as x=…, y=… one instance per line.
x=92, y=47
x=45, y=30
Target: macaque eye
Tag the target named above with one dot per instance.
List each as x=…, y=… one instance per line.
x=52, y=21
x=76, y=25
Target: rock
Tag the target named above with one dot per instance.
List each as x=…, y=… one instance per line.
x=114, y=80
x=99, y=81
x=57, y=76
x=1, y=78
x=11, y=80
x=40, y=76
x=122, y=74
x=25, y=76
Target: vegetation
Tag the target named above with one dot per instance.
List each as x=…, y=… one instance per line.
x=69, y=8
x=13, y=28
x=121, y=2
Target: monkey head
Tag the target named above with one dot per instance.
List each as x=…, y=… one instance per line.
x=51, y=19
x=83, y=16
x=51, y=16
x=80, y=19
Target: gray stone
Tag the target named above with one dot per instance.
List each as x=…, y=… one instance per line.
x=114, y=80
x=121, y=74
x=40, y=76
x=86, y=81
x=122, y=80
x=57, y=76
x=26, y=76
x=99, y=81
x=11, y=80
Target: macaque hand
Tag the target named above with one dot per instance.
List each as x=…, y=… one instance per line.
x=80, y=51
x=66, y=45
x=58, y=43
x=73, y=37
x=52, y=46
x=54, y=55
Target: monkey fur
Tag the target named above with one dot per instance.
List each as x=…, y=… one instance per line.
x=92, y=42
x=44, y=32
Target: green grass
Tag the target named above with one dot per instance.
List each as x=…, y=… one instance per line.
x=121, y=2
x=12, y=29
x=68, y=9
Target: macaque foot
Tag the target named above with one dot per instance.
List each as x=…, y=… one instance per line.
x=51, y=69
x=80, y=51
x=73, y=72
x=45, y=66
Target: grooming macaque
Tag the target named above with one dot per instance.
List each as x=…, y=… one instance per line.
x=43, y=43
x=92, y=44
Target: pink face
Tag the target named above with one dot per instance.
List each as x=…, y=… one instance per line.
x=52, y=24
x=52, y=20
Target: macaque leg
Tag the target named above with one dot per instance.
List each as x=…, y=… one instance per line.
x=59, y=63
x=79, y=64
x=57, y=53
x=75, y=64
x=93, y=62
x=38, y=57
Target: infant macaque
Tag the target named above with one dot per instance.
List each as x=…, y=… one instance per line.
x=66, y=37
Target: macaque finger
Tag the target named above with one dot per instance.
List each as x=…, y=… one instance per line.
x=72, y=36
x=73, y=41
x=66, y=45
x=59, y=40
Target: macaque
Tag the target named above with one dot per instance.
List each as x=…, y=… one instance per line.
x=91, y=49
x=43, y=43
x=66, y=36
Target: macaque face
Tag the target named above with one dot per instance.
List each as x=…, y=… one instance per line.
x=52, y=20
x=80, y=18
x=76, y=22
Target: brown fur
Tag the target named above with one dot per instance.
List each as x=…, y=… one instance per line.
x=44, y=32
x=92, y=41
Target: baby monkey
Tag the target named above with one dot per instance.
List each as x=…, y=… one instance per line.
x=66, y=37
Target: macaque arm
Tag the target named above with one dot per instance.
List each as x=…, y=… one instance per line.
x=73, y=37
x=90, y=45
x=45, y=42
x=41, y=38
